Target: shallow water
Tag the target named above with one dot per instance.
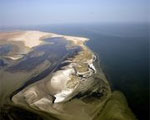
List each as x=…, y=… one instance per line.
x=55, y=53
x=4, y=49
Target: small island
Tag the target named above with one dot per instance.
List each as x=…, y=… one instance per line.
x=56, y=77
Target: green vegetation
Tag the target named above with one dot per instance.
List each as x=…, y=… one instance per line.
x=116, y=108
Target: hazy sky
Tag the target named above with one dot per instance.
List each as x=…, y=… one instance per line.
x=30, y=12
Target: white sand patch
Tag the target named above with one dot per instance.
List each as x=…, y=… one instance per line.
x=92, y=66
x=77, y=40
x=62, y=96
x=30, y=38
x=15, y=57
x=72, y=38
x=60, y=79
x=33, y=38
x=42, y=101
x=30, y=95
x=90, y=62
x=59, y=84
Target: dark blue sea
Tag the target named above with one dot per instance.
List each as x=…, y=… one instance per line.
x=123, y=50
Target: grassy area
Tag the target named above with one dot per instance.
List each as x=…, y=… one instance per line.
x=82, y=58
x=82, y=67
x=73, y=82
x=116, y=108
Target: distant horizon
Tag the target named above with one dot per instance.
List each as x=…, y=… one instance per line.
x=93, y=23
x=25, y=13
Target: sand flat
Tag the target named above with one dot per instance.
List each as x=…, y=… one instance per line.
x=34, y=38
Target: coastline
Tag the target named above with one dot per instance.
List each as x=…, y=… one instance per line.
x=91, y=69
x=81, y=84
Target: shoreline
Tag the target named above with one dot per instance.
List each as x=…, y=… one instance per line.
x=35, y=38
x=81, y=72
x=32, y=39
x=80, y=84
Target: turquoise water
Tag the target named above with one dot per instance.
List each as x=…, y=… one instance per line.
x=123, y=50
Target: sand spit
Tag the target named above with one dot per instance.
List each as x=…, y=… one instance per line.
x=29, y=38
x=23, y=42
x=34, y=38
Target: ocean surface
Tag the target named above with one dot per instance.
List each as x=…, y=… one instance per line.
x=123, y=51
